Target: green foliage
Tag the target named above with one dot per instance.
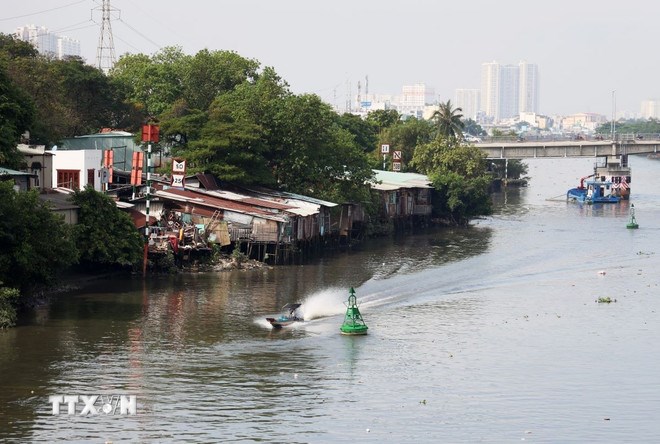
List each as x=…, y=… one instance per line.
x=405, y=136
x=152, y=84
x=515, y=169
x=383, y=118
x=472, y=127
x=155, y=84
x=448, y=121
x=364, y=131
x=16, y=116
x=8, y=301
x=36, y=243
x=238, y=256
x=70, y=97
x=104, y=234
x=639, y=126
x=314, y=154
x=458, y=173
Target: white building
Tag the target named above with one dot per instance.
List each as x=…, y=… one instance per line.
x=650, y=109
x=48, y=43
x=414, y=98
x=507, y=90
x=75, y=169
x=529, y=88
x=490, y=90
x=469, y=100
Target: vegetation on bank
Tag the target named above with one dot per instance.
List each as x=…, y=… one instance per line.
x=224, y=114
x=37, y=245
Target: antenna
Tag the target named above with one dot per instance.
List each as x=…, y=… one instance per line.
x=105, y=52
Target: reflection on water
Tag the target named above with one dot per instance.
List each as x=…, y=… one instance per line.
x=490, y=333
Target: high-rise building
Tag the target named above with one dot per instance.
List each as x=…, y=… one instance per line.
x=469, y=101
x=48, y=43
x=529, y=88
x=650, y=109
x=414, y=98
x=490, y=90
x=507, y=90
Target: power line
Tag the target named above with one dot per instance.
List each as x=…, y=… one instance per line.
x=140, y=34
x=41, y=12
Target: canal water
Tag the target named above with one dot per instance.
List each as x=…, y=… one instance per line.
x=491, y=333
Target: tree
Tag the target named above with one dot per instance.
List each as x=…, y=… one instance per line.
x=151, y=84
x=210, y=73
x=104, y=234
x=472, y=127
x=405, y=136
x=16, y=116
x=458, y=173
x=364, y=131
x=448, y=121
x=383, y=118
x=239, y=141
x=36, y=243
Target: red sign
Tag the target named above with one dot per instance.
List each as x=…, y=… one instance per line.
x=136, y=169
x=108, y=161
x=150, y=133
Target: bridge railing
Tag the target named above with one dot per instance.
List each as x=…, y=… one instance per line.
x=618, y=137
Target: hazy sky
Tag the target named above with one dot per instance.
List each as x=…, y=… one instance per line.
x=585, y=49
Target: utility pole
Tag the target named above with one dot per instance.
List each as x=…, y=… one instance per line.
x=613, y=125
x=105, y=52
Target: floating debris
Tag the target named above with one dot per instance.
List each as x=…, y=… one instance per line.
x=605, y=300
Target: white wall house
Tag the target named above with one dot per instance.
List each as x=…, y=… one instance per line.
x=75, y=169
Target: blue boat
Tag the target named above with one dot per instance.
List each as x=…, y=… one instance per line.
x=290, y=315
x=593, y=191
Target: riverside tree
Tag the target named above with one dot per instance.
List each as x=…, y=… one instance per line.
x=458, y=173
x=105, y=235
x=36, y=245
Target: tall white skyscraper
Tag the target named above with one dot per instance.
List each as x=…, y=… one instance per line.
x=490, y=89
x=507, y=90
x=529, y=88
x=469, y=100
x=48, y=43
x=651, y=109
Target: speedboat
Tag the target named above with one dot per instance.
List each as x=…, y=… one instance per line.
x=290, y=315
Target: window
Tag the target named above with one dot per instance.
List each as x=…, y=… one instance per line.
x=68, y=179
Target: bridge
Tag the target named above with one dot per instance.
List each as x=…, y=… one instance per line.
x=548, y=148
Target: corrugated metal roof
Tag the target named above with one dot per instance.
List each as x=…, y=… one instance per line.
x=392, y=180
x=204, y=199
x=9, y=172
x=292, y=196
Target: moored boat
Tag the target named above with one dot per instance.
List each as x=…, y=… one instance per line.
x=617, y=171
x=593, y=191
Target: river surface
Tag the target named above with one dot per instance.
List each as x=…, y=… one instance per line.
x=487, y=334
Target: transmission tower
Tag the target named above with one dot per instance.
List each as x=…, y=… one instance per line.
x=105, y=52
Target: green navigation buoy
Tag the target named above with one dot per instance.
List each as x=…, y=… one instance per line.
x=353, y=322
x=632, y=224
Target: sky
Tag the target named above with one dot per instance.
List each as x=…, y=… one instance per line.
x=593, y=55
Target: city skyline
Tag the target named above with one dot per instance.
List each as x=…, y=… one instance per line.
x=586, y=51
